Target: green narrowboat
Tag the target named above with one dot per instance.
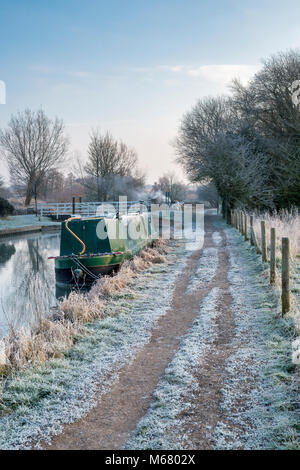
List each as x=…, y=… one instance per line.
x=91, y=247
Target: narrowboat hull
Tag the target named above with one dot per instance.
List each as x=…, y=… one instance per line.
x=71, y=270
x=99, y=256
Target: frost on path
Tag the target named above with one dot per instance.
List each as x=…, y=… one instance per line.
x=206, y=269
x=61, y=391
x=194, y=237
x=160, y=427
x=259, y=393
x=217, y=238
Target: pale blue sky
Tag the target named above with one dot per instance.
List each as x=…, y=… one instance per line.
x=133, y=66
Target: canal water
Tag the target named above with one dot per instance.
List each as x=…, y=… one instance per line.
x=27, y=278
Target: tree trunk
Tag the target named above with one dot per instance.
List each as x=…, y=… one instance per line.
x=226, y=210
x=98, y=190
x=29, y=194
x=35, y=200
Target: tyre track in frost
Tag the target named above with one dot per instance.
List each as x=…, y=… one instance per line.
x=225, y=387
x=200, y=420
x=193, y=427
x=109, y=424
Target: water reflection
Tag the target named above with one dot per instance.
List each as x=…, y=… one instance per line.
x=27, y=277
x=64, y=290
x=6, y=252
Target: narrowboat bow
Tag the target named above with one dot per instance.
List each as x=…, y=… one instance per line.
x=91, y=247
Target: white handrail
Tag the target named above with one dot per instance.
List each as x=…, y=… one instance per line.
x=84, y=208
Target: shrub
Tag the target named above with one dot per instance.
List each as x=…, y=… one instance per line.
x=5, y=207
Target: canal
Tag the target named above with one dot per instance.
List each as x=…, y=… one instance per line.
x=27, y=278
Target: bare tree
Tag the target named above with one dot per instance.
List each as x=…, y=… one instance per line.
x=208, y=193
x=108, y=159
x=33, y=145
x=247, y=144
x=210, y=148
x=54, y=184
x=169, y=183
x=4, y=190
x=2, y=186
x=270, y=119
x=266, y=103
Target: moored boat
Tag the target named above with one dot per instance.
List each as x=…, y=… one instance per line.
x=91, y=247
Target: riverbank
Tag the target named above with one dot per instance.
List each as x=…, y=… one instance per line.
x=75, y=341
x=17, y=224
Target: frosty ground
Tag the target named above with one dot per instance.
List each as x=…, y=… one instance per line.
x=193, y=355
x=20, y=221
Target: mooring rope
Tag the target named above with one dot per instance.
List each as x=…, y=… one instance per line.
x=84, y=268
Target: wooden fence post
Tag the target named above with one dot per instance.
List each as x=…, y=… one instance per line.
x=172, y=217
x=246, y=228
x=273, y=256
x=160, y=223
x=251, y=230
x=264, y=241
x=256, y=244
x=285, y=276
x=241, y=222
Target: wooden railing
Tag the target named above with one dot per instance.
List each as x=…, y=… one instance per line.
x=87, y=209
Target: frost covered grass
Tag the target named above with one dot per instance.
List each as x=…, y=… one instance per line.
x=37, y=401
x=160, y=427
x=287, y=224
x=261, y=393
x=217, y=238
x=18, y=221
x=48, y=336
x=206, y=269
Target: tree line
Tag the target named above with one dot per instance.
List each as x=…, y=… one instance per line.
x=246, y=144
x=35, y=149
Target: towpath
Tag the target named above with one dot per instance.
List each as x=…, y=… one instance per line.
x=221, y=402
